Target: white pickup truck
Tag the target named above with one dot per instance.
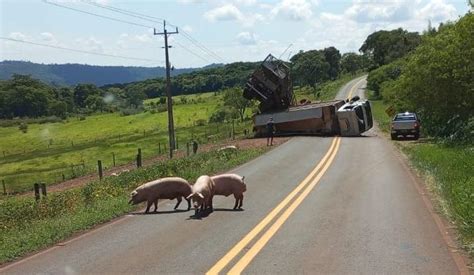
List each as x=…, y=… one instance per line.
x=405, y=124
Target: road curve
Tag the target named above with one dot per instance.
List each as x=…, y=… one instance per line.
x=362, y=213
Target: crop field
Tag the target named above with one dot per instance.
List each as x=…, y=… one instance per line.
x=48, y=151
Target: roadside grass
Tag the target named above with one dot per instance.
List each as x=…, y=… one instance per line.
x=448, y=172
x=452, y=171
x=27, y=225
x=48, y=151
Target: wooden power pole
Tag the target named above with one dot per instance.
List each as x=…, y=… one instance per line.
x=169, y=99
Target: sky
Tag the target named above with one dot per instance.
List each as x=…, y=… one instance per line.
x=210, y=31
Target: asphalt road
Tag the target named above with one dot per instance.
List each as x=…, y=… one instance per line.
x=347, y=205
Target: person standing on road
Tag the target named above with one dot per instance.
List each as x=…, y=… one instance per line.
x=270, y=131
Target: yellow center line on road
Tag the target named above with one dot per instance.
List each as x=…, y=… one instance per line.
x=353, y=87
x=224, y=261
x=250, y=255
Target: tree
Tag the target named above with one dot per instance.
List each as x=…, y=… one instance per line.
x=384, y=47
x=310, y=68
x=233, y=98
x=82, y=91
x=333, y=58
x=351, y=63
x=437, y=80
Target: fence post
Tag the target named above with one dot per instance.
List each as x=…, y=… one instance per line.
x=4, y=188
x=187, y=149
x=159, y=148
x=64, y=177
x=3, y=153
x=113, y=158
x=139, y=158
x=177, y=145
x=43, y=189
x=37, y=191
x=99, y=166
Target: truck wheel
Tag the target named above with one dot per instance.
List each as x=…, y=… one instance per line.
x=416, y=136
x=393, y=136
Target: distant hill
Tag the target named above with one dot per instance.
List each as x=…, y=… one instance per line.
x=72, y=74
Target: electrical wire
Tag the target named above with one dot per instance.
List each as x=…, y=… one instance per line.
x=153, y=19
x=79, y=51
x=98, y=15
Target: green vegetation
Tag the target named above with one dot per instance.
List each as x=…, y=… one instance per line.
x=26, y=225
x=435, y=81
x=451, y=169
x=49, y=150
x=384, y=46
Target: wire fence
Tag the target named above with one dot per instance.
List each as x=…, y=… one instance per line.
x=16, y=183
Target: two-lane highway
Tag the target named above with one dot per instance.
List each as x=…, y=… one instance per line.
x=313, y=205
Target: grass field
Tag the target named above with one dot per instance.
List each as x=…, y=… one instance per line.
x=448, y=173
x=26, y=225
x=47, y=151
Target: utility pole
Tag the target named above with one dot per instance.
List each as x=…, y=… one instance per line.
x=168, y=88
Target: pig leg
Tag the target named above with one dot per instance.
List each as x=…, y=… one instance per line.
x=189, y=204
x=179, y=201
x=148, y=205
x=210, y=204
x=236, y=201
x=241, y=201
x=156, y=205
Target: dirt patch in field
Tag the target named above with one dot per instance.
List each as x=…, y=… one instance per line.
x=83, y=180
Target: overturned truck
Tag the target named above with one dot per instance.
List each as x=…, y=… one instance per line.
x=271, y=85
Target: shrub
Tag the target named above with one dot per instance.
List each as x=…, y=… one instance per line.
x=23, y=127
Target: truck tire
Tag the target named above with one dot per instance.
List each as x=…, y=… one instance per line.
x=393, y=136
x=416, y=136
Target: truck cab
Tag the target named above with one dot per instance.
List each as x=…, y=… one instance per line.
x=355, y=117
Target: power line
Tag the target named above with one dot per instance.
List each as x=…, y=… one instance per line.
x=98, y=15
x=153, y=19
x=79, y=51
x=190, y=51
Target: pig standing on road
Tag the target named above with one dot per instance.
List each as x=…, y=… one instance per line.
x=165, y=188
x=227, y=184
x=202, y=193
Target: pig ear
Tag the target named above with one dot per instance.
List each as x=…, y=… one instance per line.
x=190, y=196
x=200, y=195
x=134, y=193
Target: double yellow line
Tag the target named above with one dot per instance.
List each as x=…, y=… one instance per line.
x=307, y=184
x=349, y=96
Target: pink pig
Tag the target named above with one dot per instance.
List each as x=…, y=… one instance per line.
x=227, y=184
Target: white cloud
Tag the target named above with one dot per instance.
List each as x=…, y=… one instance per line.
x=48, y=37
x=247, y=38
x=375, y=10
x=437, y=11
x=228, y=12
x=17, y=35
x=296, y=10
x=245, y=2
x=187, y=28
x=91, y=44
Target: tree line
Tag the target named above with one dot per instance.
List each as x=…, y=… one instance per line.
x=434, y=79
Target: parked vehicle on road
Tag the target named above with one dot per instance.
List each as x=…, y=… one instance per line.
x=405, y=124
